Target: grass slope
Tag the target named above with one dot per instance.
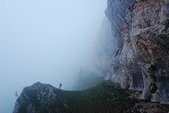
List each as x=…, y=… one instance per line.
x=99, y=99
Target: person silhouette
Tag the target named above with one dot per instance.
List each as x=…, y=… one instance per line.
x=16, y=94
x=60, y=85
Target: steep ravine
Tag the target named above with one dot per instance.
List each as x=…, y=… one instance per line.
x=141, y=62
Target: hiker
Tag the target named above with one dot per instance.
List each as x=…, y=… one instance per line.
x=16, y=94
x=60, y=85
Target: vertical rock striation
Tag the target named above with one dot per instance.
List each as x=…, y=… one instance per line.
x=140, y=59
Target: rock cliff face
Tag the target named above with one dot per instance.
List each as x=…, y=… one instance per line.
x=140, y=59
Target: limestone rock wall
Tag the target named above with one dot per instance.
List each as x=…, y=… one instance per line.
x=141, y=62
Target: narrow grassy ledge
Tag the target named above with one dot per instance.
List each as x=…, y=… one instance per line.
x=106, y=97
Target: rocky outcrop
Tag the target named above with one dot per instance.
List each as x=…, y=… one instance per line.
x=38, y=98
x=103, y=98
x=140, y=60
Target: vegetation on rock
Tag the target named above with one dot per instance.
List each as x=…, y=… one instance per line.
x=103, y=98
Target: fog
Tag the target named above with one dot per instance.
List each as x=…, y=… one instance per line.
x=45, y=40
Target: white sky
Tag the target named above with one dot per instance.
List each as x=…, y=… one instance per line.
x=44, y=40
